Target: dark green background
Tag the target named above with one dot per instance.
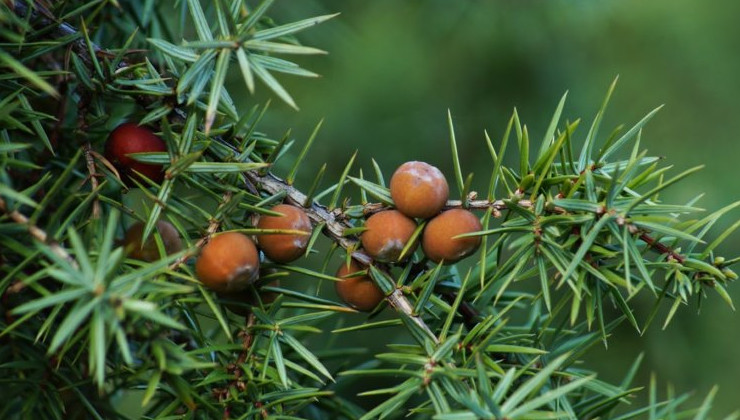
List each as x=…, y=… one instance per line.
x=395, y=68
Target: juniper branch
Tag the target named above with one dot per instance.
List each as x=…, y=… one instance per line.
x=334, y=221
x=268, y=183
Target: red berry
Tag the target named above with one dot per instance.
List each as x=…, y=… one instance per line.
x=284, y=248
x=437, y=239
x=359, y=291
x=387, y=234
x=130, y=138
x=419, y=189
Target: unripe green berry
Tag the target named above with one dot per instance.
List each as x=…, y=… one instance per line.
x=527, y=182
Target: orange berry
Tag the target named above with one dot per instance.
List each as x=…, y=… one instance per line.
x=130, y=138
x=149, y=251
x=229, y=262
x=437, y=239
x=284, y=248
x=419, y=189
x=387, y=234
x=359, y=292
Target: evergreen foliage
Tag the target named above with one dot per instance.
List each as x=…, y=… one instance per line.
x=572, y=232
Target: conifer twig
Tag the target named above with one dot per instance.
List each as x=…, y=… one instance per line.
x=38, y=234
x=269, y=183
x=334, y=220
x=662, y=248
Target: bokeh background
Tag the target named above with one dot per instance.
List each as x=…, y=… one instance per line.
x=395, y=68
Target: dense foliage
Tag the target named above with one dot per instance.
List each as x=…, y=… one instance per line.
x=572, y=232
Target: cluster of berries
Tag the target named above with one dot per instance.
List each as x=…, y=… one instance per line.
x=419, y=191
x=230, y=262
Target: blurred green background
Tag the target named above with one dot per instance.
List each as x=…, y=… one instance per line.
x=395, y=68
